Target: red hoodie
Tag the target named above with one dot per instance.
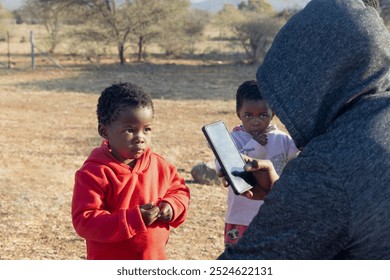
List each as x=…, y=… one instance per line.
x=106, y=199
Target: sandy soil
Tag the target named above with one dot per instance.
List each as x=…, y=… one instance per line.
x=48, y=128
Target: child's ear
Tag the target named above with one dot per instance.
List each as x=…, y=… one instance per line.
x=238, y=115
x=273, y=115
x=102, y=129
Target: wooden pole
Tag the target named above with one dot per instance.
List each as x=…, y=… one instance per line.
x=32, y=49
x=9, y=50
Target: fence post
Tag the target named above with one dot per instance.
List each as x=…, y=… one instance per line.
x=9, y=50
x=32, y=49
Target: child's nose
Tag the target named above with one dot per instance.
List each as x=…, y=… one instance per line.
x=257, y=119
x=139, y=138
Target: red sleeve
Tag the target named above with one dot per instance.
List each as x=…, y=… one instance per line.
x=178, y=196
x=90, y=218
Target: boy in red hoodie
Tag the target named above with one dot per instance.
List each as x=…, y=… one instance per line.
x=126, y=197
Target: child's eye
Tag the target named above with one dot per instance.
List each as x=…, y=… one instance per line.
x=264, y=116
x=148, y=129
x=248, y=116
x=129, y=130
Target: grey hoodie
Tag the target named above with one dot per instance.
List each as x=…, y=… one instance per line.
x=327, y=78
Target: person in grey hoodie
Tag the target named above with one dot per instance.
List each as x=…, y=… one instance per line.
x=327, y=77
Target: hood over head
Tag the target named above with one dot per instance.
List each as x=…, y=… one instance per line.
x=322, y=60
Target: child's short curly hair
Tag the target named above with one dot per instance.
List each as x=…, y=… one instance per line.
x=248, y=90
x=116, y=97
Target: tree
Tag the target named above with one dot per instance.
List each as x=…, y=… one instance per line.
x=286, y=14
x=194, y=25
x=175, y=38
x=253, y=30
x=256, y=35
x=6, y=22
x=1, y=20
x=258, y=6
x=226, y=18
x=51, y=14
x=147, y=22
x=91, y=40
x=109, y=18
x=124, y=20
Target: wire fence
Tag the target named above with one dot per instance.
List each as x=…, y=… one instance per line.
x=22, y=50
x=25, y=46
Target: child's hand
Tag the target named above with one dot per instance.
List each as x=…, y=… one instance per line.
x=261, y=138
x=166, y=212
x=149, y=213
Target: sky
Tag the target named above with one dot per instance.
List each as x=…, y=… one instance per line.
x=11, y=4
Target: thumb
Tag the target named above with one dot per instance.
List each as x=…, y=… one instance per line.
x=251, y=165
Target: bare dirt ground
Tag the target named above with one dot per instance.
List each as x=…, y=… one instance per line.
x=48, y=128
